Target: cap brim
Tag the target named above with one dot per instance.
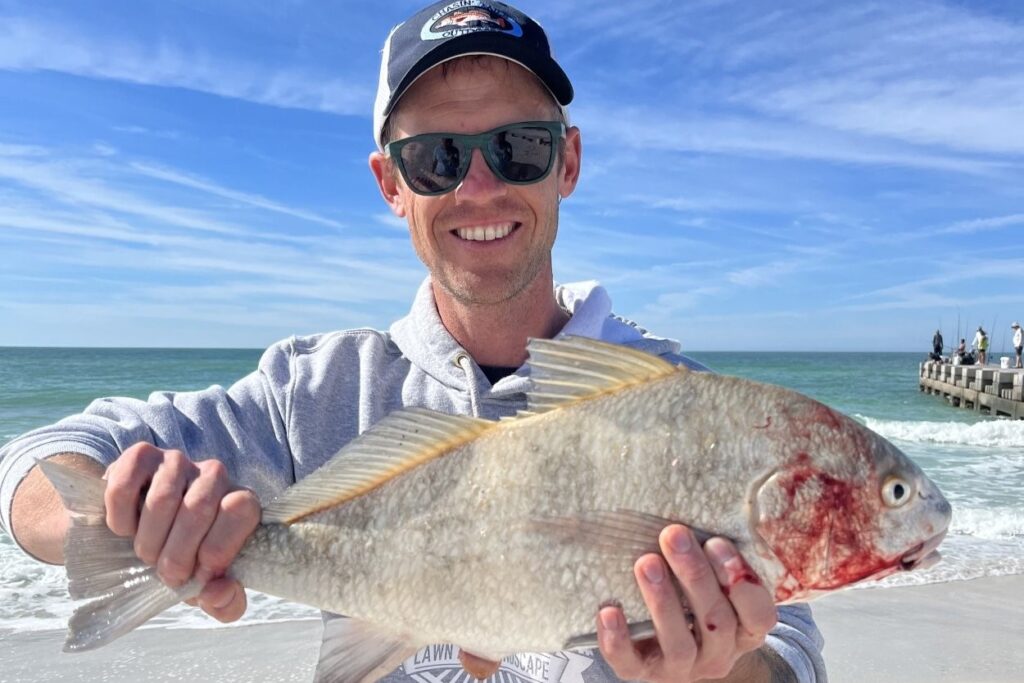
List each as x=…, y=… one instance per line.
x=487, y=43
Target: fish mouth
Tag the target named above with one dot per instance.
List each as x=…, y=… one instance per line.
x=924, y=554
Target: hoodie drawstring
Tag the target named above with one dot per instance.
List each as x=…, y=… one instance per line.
x=463, y=361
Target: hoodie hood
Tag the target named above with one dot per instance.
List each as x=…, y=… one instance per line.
x=428, y=345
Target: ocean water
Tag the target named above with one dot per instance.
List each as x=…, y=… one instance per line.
x=977, y=461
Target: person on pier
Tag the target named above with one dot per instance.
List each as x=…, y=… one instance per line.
x=937, y=346
x=981, y=343
x=1018, y=342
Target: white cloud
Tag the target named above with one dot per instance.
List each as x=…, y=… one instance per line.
x=756, y=137
x=75, y=183
x=391, y=221
x=171, y=176
x=765, y=275
x=33, y=45
x=924, y=73
x=979, y=224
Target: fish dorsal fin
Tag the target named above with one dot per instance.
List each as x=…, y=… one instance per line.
x=401, y=441
x=570, y=369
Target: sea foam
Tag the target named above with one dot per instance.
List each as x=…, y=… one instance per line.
x=989, y=434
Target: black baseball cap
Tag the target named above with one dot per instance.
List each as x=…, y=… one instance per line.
x=446, y=30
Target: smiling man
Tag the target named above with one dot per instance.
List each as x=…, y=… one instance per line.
x=475, y=152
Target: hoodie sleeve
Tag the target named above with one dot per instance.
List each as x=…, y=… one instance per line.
x=797, y=640
x=245, y=427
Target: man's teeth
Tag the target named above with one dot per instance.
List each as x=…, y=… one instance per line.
x=485, y=233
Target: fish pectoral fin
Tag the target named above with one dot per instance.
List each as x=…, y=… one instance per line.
x=401, y=441
x=570, y=369
x=356, y=651
x=639, y=630
x=619, y=533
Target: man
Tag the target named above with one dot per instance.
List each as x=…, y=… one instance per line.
x=937, y=345
x=981, y=344
x=1018, y=342
x=485, y=234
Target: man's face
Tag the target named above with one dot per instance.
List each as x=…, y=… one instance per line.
x=518, y=222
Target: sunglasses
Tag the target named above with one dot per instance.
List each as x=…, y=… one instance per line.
x=519, y=153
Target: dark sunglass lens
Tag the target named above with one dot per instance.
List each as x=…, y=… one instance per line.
x=432, y=165
x=522, y=154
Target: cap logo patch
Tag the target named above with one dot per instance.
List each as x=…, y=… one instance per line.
x=469, y=16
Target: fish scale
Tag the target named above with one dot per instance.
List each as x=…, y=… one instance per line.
x=508, y=536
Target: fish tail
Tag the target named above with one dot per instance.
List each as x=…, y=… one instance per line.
x=103, y=567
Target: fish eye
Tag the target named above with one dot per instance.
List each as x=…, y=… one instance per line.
x=896, y=492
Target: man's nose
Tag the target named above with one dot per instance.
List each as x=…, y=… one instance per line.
x=480, y=180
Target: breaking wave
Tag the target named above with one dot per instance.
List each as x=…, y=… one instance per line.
x=993, y=524
x=989, y=434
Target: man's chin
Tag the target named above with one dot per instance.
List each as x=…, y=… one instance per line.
x=486, y=289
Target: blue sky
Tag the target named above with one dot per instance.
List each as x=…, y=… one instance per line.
x=757, y=175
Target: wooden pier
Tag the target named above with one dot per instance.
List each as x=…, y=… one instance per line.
x=979, y=387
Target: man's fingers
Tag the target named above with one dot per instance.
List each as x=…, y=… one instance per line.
x=237, y=517
x=713, y=614
x=195, y=516
x=752, y=603
x=160, y=505
x=678, y=647
x=616, y=646
x=127, y=479
x=223, y=599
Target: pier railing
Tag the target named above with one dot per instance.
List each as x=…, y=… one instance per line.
x=979, y=387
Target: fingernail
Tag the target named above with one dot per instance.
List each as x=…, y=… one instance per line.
x=681, y=542
x=610, y=619
x=221, y=604
x=653, y=571
x=724, y=553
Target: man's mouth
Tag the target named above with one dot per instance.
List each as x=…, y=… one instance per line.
x=485, y=233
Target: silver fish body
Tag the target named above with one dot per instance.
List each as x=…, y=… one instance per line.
x=508, y=536
x=497, y=545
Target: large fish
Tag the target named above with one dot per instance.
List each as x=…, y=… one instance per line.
x=508, y=536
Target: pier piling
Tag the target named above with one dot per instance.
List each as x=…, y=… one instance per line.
x=983, y=388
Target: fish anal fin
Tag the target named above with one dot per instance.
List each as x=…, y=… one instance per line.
x=401, y=441
x=618, y=533
x=570, y=369
x=356, y=651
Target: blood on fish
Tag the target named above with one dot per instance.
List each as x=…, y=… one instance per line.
x=833, y=522
x=826, y=416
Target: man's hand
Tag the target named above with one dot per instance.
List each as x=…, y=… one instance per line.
x=731, y=614
x=188, y=519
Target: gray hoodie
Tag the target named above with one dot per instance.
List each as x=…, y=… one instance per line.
x=312, y=395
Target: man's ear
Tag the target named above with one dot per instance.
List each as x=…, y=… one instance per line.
x=569, y=172
x=387, y=182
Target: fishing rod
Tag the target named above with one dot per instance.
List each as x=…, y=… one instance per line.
x=993, y=337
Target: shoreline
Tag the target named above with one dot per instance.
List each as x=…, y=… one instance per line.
x=960, y=631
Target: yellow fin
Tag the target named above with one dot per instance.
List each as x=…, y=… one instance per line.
x=401, y=441
x=571, y=369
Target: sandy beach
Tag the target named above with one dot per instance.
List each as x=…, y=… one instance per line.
x=968, y=631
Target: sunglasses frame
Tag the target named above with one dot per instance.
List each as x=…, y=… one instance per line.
x=479, y=141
